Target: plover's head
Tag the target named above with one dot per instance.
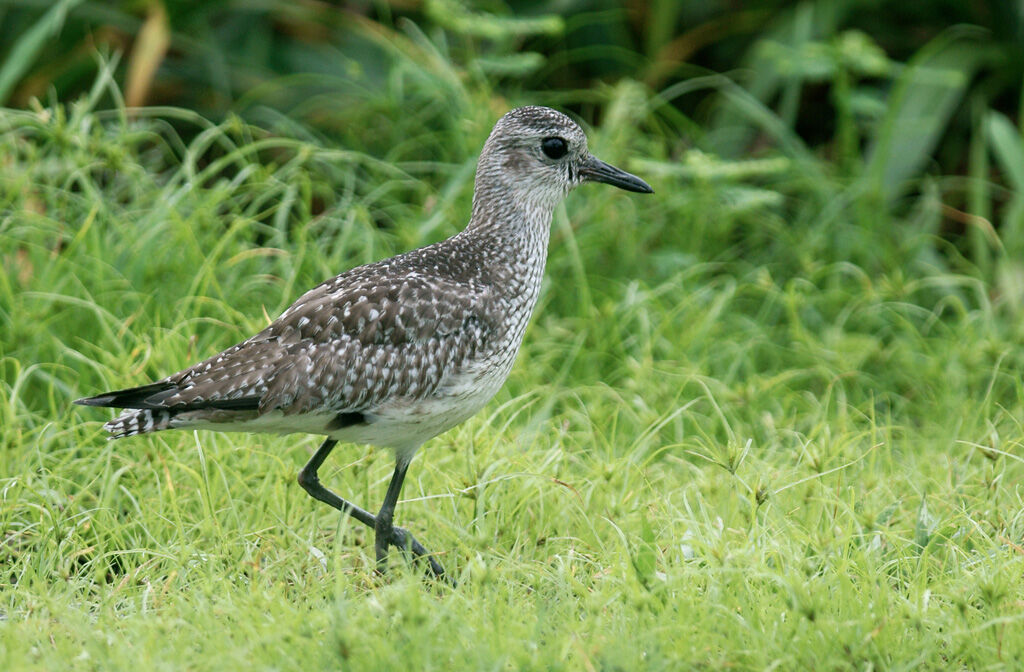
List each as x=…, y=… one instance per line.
x=538, y=155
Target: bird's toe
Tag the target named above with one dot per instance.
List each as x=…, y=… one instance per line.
x=400, y=538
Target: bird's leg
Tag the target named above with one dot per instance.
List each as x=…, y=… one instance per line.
x=389, y=535
x=386, y=533
x=309, y=480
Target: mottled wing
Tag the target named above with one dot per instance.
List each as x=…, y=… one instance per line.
x=350, y=344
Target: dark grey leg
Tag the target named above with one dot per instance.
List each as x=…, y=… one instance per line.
x=386, y=533
x=309, y=480
x=389, y=535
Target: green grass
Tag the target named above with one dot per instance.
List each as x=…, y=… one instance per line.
x=760, y=420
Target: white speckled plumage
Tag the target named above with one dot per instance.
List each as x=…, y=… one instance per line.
x=395, y=352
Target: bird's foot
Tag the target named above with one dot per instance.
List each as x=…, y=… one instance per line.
x=402, y=540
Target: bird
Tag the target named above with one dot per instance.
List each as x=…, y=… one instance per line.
x=394, y=353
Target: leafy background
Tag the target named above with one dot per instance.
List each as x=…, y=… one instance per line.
x=770, y=416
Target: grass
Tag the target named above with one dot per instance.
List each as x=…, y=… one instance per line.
x=758, y=422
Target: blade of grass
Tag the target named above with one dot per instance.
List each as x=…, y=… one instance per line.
x=28, y=47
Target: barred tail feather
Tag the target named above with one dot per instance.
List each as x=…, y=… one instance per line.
x=141, y=421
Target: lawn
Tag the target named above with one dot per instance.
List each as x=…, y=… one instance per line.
x=768, y=418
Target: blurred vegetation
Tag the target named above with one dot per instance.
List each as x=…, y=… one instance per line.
x=865, y=96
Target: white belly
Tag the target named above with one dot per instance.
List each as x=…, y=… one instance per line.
x=404, y=423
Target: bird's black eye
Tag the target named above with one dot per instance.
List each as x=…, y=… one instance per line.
x=555, y=148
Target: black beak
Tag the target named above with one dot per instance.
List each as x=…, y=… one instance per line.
x=596, y=170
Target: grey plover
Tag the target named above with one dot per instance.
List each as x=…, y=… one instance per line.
x=395, y=352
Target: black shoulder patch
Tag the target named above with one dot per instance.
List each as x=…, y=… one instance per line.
x=346, y=419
